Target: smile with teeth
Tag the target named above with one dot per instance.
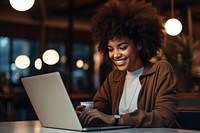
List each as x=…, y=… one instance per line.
x=119, y=62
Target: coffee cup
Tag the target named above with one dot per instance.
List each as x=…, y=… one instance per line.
x=87, y=104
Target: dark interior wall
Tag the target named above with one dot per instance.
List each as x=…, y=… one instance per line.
x=34, y=32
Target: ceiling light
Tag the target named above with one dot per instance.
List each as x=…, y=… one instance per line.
x=173, y=26
x=22, y=5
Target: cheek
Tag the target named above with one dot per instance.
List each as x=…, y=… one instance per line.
x=110, y=55
x=128, y=53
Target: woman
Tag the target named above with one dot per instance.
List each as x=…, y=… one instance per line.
x=137, y=93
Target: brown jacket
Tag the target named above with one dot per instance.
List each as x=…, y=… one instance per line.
x=157, y=99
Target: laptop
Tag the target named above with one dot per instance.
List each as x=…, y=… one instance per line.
x=52, y=103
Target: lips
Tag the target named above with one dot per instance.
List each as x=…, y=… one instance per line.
x=119, y=62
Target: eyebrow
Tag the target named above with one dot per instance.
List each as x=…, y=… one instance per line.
x=121, y=43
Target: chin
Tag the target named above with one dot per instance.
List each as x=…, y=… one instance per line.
x=122, y=68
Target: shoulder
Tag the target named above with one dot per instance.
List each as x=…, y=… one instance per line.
x=162, y=64
x=117, y=75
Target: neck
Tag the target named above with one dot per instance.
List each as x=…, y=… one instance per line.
x=137, y=65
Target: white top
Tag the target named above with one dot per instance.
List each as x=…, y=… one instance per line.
x=132, y=86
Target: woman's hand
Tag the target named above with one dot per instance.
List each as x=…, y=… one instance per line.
x=93, y=117
x=79, y=109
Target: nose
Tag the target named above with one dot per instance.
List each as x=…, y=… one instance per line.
x=116, y=54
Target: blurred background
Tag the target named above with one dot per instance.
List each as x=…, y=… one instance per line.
x=55, y=36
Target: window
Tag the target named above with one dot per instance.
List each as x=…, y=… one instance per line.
x=11, y=48
x=82, y=67
x=81, y=74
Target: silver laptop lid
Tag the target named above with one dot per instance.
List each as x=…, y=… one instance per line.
x=47, y=94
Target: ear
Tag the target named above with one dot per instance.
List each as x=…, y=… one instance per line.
x=139, y=47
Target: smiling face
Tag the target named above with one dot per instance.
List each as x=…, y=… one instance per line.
x=124, y=54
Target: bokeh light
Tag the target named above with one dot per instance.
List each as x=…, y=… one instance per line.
x=38, y=63
x=50, y=57
x=22, y=61
x=79, y=63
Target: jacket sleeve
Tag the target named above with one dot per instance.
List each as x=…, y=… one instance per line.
x=163, y=110
x=102, y=98
x=108, y=96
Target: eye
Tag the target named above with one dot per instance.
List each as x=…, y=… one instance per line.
x=110, y=49
x=123, y=47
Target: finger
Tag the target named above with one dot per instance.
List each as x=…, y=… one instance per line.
x=80, y=108
x=78, y=113
x=88, y=115
x=93, y=115
x=83, y=116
